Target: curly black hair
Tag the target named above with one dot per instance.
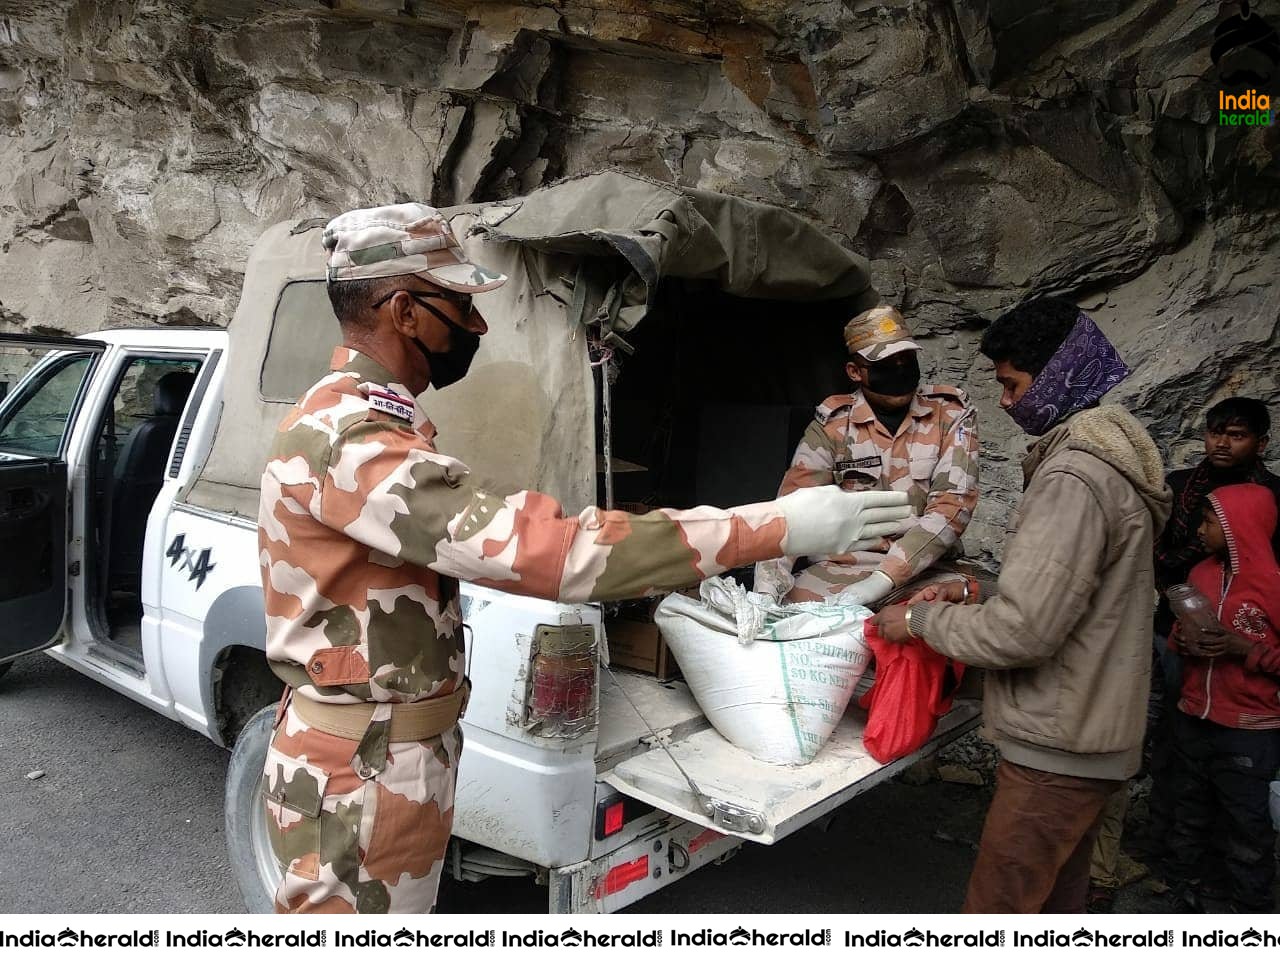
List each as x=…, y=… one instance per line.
x=1244, y=411
x=1029, y=334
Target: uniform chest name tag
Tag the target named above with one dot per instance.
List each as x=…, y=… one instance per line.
x=392, y=404
x=846, y=471
x=863, y=463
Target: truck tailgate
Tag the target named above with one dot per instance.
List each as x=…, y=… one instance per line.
x=632, y=705
x=761, y=801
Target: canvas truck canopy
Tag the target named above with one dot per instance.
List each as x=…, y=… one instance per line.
x=748, y=249
x=585, y=255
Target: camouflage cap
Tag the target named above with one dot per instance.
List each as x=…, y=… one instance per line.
x=400, y=239
x=878, y=333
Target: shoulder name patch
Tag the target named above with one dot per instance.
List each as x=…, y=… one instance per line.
x=387, y=402
x=831, y=406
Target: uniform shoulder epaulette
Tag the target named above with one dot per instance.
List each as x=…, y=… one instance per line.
x=829, y=407
x=946, y=391
x=387, y=401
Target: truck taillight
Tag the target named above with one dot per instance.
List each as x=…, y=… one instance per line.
x=615, y=812
x=613, y=818
x=562, y=688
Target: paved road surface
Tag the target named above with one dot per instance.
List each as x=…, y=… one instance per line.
x=128, y=818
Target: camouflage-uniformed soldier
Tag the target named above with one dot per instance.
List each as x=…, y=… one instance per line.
x=365, y=529
x=891, y=433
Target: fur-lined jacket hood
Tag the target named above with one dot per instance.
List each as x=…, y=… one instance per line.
x=1113, y=435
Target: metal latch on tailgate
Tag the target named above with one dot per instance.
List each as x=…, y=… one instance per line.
x=731, y=816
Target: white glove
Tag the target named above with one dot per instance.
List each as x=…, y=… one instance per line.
x=867, y=591
x=872, y=543
x=827, y=520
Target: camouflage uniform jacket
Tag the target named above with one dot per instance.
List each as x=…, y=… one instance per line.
x=364, y=530
x=934, y=457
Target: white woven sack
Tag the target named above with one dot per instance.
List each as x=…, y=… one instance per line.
x=779, y=690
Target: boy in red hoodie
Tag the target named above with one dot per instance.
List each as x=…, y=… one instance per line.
x=1227, y=733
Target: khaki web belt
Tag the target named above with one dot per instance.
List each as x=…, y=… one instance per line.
x=410, y=722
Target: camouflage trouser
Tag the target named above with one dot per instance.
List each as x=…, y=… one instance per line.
x=824, y=581
x=352, y=845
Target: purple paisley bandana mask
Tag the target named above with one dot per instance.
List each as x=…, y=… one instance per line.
x=1081, y=370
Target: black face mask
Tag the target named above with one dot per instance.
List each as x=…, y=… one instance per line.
x=449, y=366
x=892, y=378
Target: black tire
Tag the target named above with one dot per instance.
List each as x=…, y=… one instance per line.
x=248, y=847
x=4, y=668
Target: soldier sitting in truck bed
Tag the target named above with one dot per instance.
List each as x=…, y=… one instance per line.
x=891, y=433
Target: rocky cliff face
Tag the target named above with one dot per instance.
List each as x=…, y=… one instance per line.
x=974, y=150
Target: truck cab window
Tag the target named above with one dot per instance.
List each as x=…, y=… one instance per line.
x=39, y=393
x=304, y=332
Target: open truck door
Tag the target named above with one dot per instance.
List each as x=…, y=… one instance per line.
x=44, y=381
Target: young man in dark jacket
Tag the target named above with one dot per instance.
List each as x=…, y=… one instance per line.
x=1066, y=643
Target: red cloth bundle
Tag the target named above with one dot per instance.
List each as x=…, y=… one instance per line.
x=914, y=686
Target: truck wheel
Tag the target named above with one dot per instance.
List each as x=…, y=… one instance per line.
x=253, y=864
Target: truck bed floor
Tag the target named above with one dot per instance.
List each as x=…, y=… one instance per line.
x=666, y=706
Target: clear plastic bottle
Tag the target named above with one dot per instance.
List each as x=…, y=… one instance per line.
x=1193, y=610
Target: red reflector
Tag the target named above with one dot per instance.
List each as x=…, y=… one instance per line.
x=613, y=819
x=702, y=839
x=622, y=876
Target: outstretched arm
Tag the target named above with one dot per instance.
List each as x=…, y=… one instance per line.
x=413, y=505
x=1046, y=580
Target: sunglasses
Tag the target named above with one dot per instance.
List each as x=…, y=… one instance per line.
x=460, y=300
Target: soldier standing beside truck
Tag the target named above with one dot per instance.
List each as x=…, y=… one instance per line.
x=891, y=433
x=364, y=531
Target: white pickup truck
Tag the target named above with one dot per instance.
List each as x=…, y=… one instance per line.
x=128, y=546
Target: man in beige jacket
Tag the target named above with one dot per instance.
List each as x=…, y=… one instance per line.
x=1066, y=643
